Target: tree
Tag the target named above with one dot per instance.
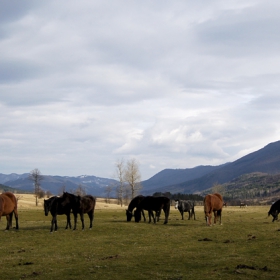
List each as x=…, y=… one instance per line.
x=120, y=170
x=133, y=177
x=217, y=188
x=81, y=191
x=108, y=191
x=36, y=176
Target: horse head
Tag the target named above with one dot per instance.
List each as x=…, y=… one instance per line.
x=47, y=205
x=129, y=215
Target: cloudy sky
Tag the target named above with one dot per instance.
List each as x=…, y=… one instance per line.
x=173, y=84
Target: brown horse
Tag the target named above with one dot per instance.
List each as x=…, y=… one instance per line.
x=213, y=203
x=8, y=206
x=80, y=205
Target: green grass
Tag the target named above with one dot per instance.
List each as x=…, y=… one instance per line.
x=115, y=249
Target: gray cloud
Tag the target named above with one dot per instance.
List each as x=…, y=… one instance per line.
x=173, y=84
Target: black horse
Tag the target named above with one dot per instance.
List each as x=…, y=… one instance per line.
x=81, y=205
x=133, y=204
x=152, y=203
x=274, y=210
x=57, y=206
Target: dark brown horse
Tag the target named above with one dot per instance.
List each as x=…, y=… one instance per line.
x=213, y=203
x=8, y=207
x=133, y=204
x=81, y=205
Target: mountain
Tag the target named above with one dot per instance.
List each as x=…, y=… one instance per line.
x=265, y=160
x=168, y=177
x=190, y=180
x=92, y=185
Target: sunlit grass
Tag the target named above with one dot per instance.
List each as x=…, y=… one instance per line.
x=115, y=249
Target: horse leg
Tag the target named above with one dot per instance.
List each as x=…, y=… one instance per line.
x=220, y=214
x=166, y=211
x=16, y=218
x=143, y=214
x=8, y=217
x=11, y=220
x=82, y=220
x=90, y=215
x=150, y=214
x=159, y=212
x=68, y=221
x=75, y=220
x=182, y=214
x=193, y=214
x=52, y=223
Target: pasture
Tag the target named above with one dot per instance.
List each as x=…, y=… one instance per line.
x=246, y=245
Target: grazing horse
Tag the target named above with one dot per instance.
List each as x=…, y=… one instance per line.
x=81, y=205
x=133, y=204
x=8, y=207
x=152, y=203
x=57, y=206
x=213, y=203
x=274, y=210
x=185, y=206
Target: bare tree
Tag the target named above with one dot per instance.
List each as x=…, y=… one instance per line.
x=81, y=191
x=61, y=190
x=120, y=171
x=36, y=176
x=108, y=191
x=48, y=194
x=133, y=177
x=217, y=188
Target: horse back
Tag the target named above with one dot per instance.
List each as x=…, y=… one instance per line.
x=87, y=203
x=135, y=202
x=213, y=202
x=8, y=203
x=154, y=203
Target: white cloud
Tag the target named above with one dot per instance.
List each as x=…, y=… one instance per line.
x=173, y=84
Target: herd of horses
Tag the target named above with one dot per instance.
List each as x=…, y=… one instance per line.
x=69, y=203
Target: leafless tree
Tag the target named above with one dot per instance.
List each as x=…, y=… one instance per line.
x=120, y=171
x=81, y=191
x=48, y=194
x=36, y=176
x=61, y=190
x=133, y=177
x=217, y=188
x=108, y=191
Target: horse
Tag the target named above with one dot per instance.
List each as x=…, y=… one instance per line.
x=274, y=210
x=243, y=205
x=152, y=203
x=185, y=206
x=81, y=205
x=133, y=204
x=213, y=203
x=8, y=207
x=57, y=206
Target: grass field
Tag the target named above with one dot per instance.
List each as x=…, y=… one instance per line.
x=245, y=246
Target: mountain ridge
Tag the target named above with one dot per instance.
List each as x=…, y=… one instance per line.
x=189, y=180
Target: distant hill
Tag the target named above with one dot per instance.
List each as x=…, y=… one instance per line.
x=92, y=185
x=265, y=160
x=190, y=180
x=169, y=177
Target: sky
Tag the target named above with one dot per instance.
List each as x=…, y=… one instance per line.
x=172, y=84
